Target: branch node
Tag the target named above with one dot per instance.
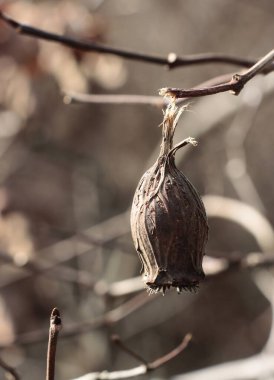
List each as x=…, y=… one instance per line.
x=55, y=320
x=171, y=60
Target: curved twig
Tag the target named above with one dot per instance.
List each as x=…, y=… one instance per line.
x=141, y=369
x=245, y=215
x=133, y=99
x=235, y=85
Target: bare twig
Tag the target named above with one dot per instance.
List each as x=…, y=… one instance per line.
x=9, y=370
x=73, y=97
x=157, y=101
x=115, y=99
x=116, y=339
x=38, y=266
x=235, y=85
x=171, y=61
x=140, y=370
x=55, y=327
x=126, y=99
x=172, y=354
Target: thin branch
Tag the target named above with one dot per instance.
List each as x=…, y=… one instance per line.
x=9, y=370
x=235, y=85
x=256, y=224
x=171, y=355
x=40, y=266
x=140, y=370
x=125, y=99
x=158, y=101
x=55, y=327
x=171, y=61
x=116, y=339
x=213, y=268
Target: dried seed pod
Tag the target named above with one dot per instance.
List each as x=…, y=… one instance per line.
x=168, y=219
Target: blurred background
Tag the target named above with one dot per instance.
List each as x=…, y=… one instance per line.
x=68, y=173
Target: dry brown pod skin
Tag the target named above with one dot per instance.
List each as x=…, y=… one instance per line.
x=168, y=219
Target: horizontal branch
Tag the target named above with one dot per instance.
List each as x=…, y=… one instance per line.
x=208, y=87
x=73, y=97
x=126, y=99
x=141, y=369
x=235, y=85
x=171, y=61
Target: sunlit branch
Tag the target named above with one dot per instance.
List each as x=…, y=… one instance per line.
x=235, y=85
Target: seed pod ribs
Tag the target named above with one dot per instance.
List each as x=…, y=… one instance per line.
x=168, y=219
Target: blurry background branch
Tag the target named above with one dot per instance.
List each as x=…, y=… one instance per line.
x=243, y=214
x=213, y=268
x=260, y=366
x=72, y=97
x=11, y=372
x=84, y=242
x=140, y=370
x=247, y=216
x=172, y=60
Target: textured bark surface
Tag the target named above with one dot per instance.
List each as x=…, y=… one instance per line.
x=168, y=219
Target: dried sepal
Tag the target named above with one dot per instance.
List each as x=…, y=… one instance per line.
x=168, y=219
